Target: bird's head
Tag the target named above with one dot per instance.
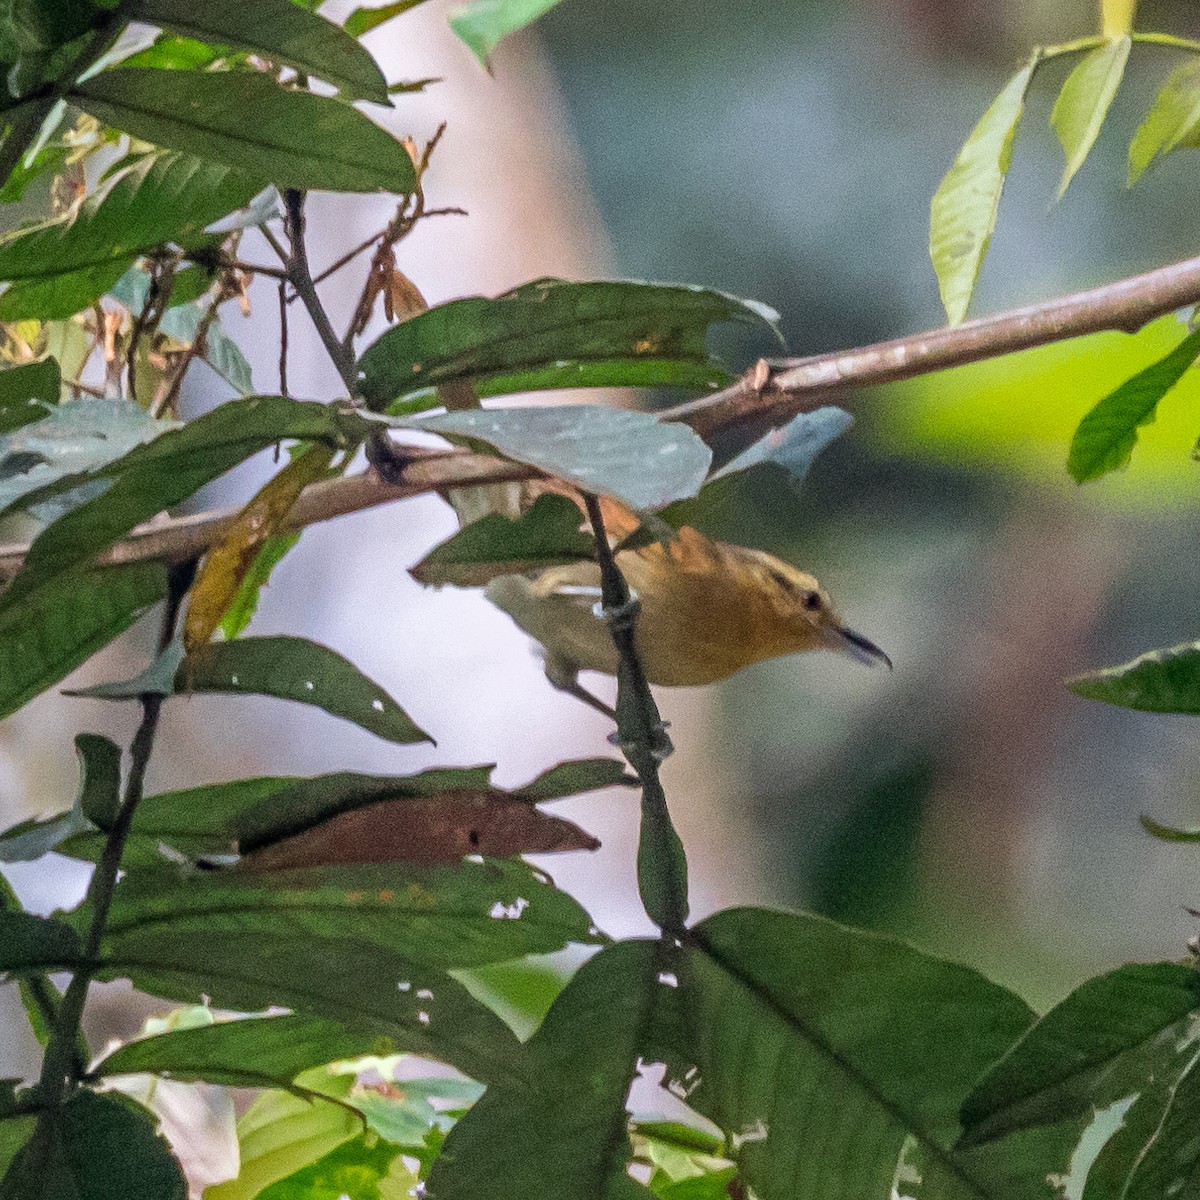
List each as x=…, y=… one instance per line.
x=804, y=614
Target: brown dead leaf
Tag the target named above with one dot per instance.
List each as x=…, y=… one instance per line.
x=434, y=829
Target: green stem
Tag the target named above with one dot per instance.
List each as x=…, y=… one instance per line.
x=1168, y=40
x=29, y=115
x=60, y=1068
x=661, y=862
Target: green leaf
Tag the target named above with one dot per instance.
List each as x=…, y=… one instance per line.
x=26, y=392
x=15, y=1132
x=95, y=1148
x=442, y=917
x=248, y=814
x=546, y=536
x=632, y=456
x=571, y=778
x=1171, y=122
x=255, y=1052
x=71, y=438
x=56, y=297
x=100, y=778
x=158, y=198
x=1106, y=437
x=879, y=1045
x=277, y=30
x=1116, y=1059
x=94, y=807
x=357, y=945
x=793, y=446
x=30, y=26
x=29, y=942
x=963, y=213
x=1084, y=101
x=245, y=603
x=564, y=1133
x=363, y=20
x=78, y=612
x=280, y=1134
x=296, y=669
x=157, y=475
x=483, y=24
x=1165, y=681
x=555, y=334
x=1088, y=1051
x=1168, y=833
x=296, y=139
x=355, y=1170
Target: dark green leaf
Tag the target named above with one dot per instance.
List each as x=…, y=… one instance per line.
x=156, y=199
x=444, y=917
x=964, y=209
x=879, y=1045
x=296, y=139
x=483, y=24
x=1171, y=122
x=30, y=26
x=1089, y=1051
x=277, y=30
x=26, y=392
x=33, y=942
x=95, y=1148
x=133, y=288
x=632, y=456
x=404, y=87
x=1166, y=681
x=297, y=669
x=564, y=1134
x=40, y=999
x=100, y=778
x=794, y=446
x=247, y=813
x=1105, y=438
x=242, y=610
x=159, y=474
x=555, y=334
x=31, y=839
x=56, y=297
x=545, y=536
x=1167, y=832
x=363, y=20
x=78, y=612
x=1084, y=101
x=571, y=778
x=256, y=1052
x=14, y=1133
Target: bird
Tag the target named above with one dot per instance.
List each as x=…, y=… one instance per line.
x=706, y=609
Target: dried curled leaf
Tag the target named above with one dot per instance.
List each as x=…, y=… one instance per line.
x=228, y=563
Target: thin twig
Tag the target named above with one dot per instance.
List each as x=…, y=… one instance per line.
x=300, y=277
x=60, y=1063
x=255, y=268
x=166, y=400
x=283, y=339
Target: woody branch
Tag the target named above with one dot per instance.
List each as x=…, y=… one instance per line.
x=768, y=394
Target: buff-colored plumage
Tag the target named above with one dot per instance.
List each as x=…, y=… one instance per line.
x=707, y=609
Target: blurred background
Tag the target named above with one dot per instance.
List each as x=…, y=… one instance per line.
x=785, y=152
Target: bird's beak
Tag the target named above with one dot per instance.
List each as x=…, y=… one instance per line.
x=859, y=648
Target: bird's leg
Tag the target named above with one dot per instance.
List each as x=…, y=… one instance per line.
x=565, y=677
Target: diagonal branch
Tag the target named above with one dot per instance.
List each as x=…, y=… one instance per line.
x=769, y=394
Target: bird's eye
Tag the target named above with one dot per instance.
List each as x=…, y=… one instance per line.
x=811, y=601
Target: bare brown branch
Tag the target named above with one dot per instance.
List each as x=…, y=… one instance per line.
x=761, y=397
